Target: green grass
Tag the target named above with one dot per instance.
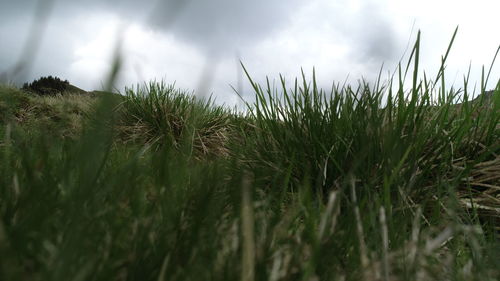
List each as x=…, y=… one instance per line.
x=356, y=183
x=159, y=114
x=61, y=115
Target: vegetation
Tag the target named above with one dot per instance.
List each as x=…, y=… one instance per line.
x=368, y=183
x=158, y=114
x=46, y=86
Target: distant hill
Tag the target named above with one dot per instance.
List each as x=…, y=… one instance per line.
x=74, y=89
x=51, y=86
x=487, y=95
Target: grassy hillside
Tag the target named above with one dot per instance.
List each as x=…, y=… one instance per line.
x=358, y=183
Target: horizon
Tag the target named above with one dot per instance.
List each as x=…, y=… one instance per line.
x=201, y=44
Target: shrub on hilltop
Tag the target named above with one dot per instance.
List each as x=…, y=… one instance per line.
x=47, y=86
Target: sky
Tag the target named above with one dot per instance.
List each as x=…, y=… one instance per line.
x=198, y=44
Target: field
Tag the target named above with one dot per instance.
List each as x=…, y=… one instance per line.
x=365, y=182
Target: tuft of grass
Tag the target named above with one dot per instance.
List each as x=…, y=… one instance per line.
x=160, y=114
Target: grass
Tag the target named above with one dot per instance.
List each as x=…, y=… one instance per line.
x=356, y=183
x=62, y=114
x=157, y=113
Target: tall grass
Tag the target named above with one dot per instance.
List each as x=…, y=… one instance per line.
x=157, y=113
x=393, y=147
x=357, y=183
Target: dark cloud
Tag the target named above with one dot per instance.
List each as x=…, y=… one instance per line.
x=60, y=9
x=24, y=58
x=223, y=25
x=375, y=38
x=36, y=35
x=367, y=30
x=10, y=9
x=26, y=53
x=216, y=25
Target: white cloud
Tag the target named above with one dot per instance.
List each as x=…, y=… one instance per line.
x=93, y=50
x=476, y=41
x=152, y=54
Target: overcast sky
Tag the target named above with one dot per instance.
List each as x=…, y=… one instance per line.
x=197, y=44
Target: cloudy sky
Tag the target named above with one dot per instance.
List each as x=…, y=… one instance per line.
x=198, y=44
